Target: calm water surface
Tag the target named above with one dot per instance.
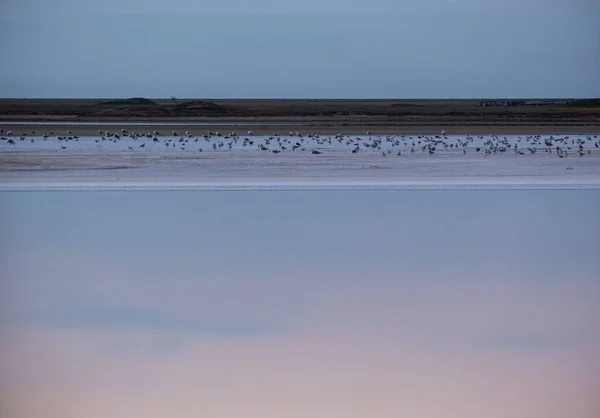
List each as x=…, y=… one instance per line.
x=264, y=304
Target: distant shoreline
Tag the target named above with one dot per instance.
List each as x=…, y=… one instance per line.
x=269, y=128
x=267, y=116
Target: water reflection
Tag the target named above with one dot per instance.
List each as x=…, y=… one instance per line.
x=429, y=304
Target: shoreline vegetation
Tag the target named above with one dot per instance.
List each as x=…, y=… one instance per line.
x=323, y=115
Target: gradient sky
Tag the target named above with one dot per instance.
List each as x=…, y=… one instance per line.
x=438, y=304
x=300, y=49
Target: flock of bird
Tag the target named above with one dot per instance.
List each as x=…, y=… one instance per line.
x=384, y=145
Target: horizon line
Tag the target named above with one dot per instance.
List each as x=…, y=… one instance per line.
x=310, y=98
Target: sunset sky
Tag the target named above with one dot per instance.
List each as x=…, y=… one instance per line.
x=447, y=304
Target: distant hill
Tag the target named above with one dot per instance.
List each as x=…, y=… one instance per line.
x=404, y=111
x=200, y=107
x=135, y=101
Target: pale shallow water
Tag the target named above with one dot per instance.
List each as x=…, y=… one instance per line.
x=176, y=162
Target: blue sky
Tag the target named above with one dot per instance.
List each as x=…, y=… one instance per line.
x=312, y=49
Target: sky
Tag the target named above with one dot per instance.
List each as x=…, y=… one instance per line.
x=300, y=49
x=428, y=304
